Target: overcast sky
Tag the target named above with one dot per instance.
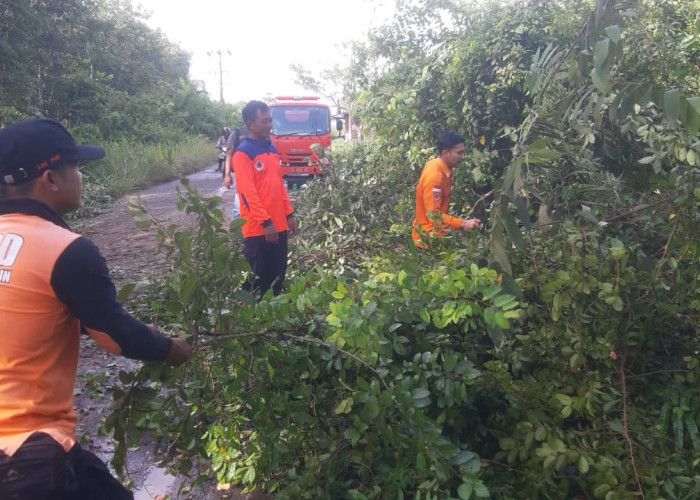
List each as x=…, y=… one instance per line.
x=260, y=39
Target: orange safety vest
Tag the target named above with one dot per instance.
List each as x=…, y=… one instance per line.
x=260, y=187
x=433, y=197
x=40, y=336
x=53, y=283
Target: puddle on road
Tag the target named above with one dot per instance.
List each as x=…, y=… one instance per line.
x=156, y=485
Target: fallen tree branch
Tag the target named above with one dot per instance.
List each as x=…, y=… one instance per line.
x=347, y=353
x=481, y=199
x=638, y=208
x=217, y=338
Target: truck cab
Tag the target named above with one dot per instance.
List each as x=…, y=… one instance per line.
x=298, y=125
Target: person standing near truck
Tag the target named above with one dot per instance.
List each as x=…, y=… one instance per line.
x=233, y=142
x=54, y=284
x=434, y=190
x=264, y=202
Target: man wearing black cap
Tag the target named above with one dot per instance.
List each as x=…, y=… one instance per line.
x=434, y=190
x=53, y=285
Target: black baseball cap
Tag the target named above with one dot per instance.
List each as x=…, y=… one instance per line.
x=29, y=147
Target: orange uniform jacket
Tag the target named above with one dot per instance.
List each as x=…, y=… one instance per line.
x=433, y=196
x=260, y=187
x=53, y=282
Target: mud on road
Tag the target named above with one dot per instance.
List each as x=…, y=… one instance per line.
x=132, y=256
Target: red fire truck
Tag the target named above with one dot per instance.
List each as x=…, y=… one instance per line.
x=298, y=123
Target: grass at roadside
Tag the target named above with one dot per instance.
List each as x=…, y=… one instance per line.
x=130, y=166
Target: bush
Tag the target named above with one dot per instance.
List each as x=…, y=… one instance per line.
x=363, y=386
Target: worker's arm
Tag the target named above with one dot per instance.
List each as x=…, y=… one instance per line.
x=81, y=280
x=228, y=170
x=435, y=204
x=288, y=210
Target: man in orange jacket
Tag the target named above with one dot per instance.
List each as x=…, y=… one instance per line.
x=264, y=201
x=434, y=190
x=54, y=284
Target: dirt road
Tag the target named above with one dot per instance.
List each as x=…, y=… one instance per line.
x=132, y=256
x=130, y=251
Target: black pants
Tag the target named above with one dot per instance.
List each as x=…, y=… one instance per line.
x=268, y=262
x=41, y=470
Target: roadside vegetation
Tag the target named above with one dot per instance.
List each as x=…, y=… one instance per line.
x=552, y=355
x=130, y=165
x=96, y=67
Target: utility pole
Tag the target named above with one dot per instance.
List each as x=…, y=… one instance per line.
x=220, y=52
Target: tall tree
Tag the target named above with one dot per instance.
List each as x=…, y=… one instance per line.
x=97, y=62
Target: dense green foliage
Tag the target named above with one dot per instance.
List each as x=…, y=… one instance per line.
x=339, y=387
x=95, y=65
x=554, y=355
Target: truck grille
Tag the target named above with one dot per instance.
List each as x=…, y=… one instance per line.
x=301, y=160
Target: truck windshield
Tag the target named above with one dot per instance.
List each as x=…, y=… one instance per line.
x=300, y=120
